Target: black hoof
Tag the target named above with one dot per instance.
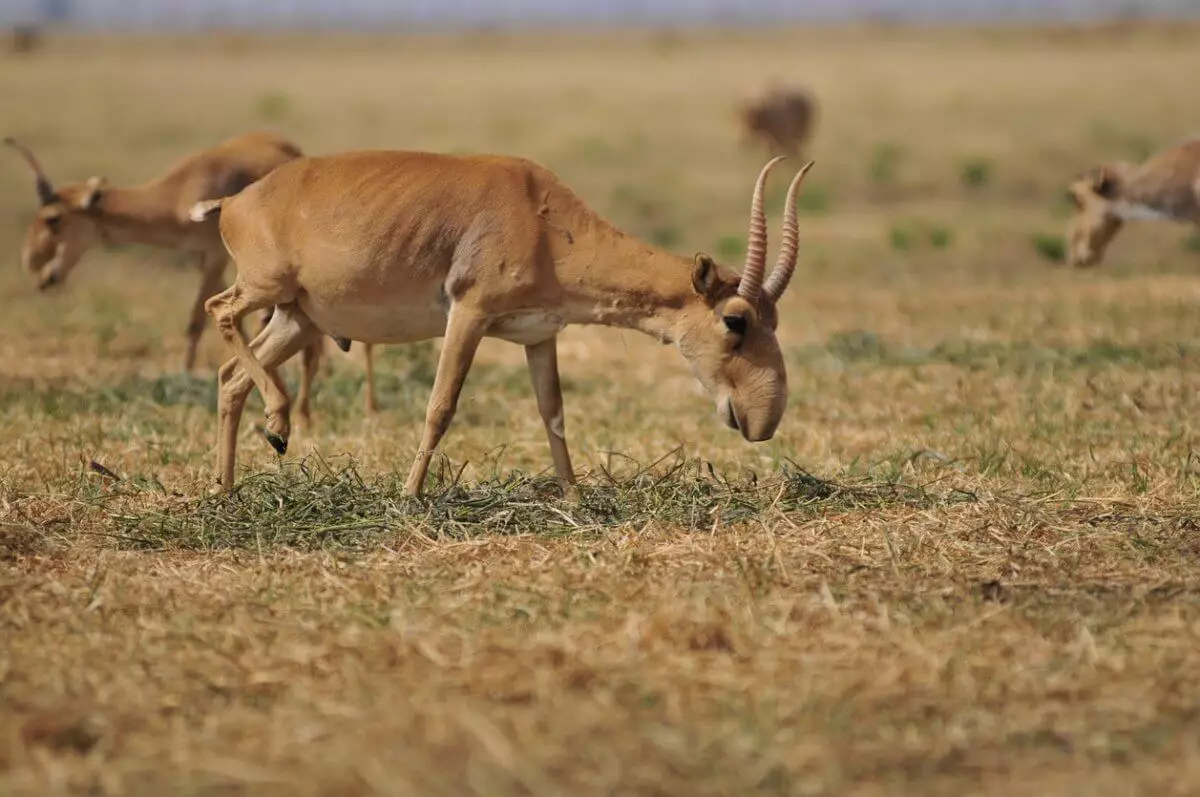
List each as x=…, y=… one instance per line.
x=278, y=443
x=343, y=343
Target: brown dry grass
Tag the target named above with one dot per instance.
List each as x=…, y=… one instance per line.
x=994, y=592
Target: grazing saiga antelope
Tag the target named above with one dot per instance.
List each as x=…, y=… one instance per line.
x=24, y=39
x=1166, y=187
x=76, y=216
x=395, y=247
x=781, y=118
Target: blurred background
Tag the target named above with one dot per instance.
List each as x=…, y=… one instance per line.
x=1017, y=612
x=360, y=13
x=932, y=227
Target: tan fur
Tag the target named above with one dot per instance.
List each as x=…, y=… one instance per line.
x=395, y=247
x=76, y=216
x=781, y=119
x=1165, y=187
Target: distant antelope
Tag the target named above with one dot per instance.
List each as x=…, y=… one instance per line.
x=76, y=216
x=395, y=247
x=1165, y=188
x=24, y=39
x=780, y=118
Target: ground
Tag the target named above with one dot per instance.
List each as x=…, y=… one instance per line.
x=967, y=563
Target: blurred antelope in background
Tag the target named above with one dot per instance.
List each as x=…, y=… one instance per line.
x=76, y=216
x=24, y=39
x=1164, y=188
x=395, y=247
x=779, y=118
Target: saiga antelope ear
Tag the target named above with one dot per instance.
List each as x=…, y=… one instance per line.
x=704, y=274
x=1105, y=183
x=95, y=190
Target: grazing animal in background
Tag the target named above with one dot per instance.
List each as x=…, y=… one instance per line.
x=24, y=39
x=1164, y=188
x=74, y=217
x=780, y=118
x=396, y=247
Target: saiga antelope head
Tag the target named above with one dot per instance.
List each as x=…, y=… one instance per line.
x=728, y=336
x=1096, y=221
x=64, y=227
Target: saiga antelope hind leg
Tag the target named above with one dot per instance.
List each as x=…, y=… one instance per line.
x=287, y=333
x=370, y=405
x=226, y=309
x=310, y=365
x=368, y=354
x=314, y=352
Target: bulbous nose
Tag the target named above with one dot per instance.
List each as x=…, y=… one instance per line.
x=758, y=433
x=753, y=430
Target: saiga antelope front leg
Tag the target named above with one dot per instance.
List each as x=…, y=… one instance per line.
x=464, y=329
x=543, y=372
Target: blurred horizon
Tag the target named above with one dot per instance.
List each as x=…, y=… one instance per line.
x=357, y=14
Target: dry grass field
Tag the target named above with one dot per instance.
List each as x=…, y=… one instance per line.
x=968, y=563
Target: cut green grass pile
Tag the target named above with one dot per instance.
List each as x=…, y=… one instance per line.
x=310, y=505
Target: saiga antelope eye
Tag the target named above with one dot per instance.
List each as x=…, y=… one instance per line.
x=735, y=324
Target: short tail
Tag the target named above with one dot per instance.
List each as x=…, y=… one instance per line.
x=207, y=209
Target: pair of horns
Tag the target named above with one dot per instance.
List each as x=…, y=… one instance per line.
x=751, y=285
x=45, y=190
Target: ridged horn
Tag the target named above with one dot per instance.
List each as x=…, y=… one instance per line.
x=756, y=244
x=789, y=244
x=45, y=190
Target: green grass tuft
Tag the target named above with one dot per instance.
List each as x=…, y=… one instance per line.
x=900, y=238
x=975, y=173
x=730, y=247
x=884, y=164
x=274, y=106
x=311, y=505
x=667, y=237
x=940, y=237
x=1050, y=247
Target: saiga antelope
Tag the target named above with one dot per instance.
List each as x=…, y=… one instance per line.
x=24, y=39
x=395, y=247
x=1166, y=187
x=74, y=217
x=781, y=118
